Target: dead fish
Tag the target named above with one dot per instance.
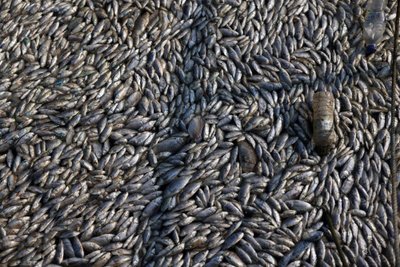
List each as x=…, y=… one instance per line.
x=195, y=128
x=324, y=136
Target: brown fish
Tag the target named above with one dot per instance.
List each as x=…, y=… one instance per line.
x=247, y=157
x=324, y=135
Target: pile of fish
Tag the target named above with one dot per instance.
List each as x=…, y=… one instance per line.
x=179, y=133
